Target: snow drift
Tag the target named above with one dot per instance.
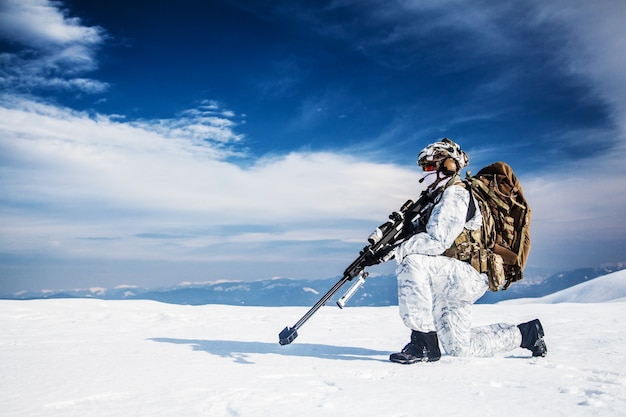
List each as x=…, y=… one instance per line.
x=611, y=287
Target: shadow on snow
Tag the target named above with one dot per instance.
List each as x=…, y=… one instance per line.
x=239, y=350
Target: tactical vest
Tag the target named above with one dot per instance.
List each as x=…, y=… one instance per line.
x=471, y=247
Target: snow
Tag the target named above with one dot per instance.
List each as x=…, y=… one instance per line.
x=87, y=357
x=610, y=287
x=311, y=290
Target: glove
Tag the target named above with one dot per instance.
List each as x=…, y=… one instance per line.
x=382, y=255
x=389, y=254
x=370, y=258
x=386, y=253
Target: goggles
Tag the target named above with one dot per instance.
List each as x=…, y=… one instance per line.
x=429, y=167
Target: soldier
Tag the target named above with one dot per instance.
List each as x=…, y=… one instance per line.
x=435, y=291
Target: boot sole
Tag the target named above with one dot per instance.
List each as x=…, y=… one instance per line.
x=411, y=361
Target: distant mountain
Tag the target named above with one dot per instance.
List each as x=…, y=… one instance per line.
x=377, y=291
x=273, y=292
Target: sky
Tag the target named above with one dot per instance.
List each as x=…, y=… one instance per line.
x=156, y=143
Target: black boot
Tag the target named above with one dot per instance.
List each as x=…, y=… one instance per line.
x=424, y=347
x=532, y=337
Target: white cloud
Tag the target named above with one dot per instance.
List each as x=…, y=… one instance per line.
x=57, y=48
x=77, y=176
x=80, y=185
x=206, y=122
x=40, y=24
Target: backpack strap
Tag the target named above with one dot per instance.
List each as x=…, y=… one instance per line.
x=471, y=208
x=492, y=195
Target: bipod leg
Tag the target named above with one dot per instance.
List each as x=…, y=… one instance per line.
x=353, y=289
x=289, y=334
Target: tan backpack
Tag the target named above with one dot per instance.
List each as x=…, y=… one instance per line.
x=501, y=247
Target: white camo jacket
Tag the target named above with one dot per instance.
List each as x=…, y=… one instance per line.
x=447, y=220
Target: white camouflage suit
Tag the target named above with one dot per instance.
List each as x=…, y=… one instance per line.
x=436, y=292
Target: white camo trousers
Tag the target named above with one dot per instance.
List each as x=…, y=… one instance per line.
x=436, y=293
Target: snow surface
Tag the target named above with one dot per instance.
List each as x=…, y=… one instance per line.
x=144, y=358
x=610, y=287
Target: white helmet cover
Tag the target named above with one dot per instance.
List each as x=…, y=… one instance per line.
x=440, y=151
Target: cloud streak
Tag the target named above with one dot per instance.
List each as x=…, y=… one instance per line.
x=597, y=47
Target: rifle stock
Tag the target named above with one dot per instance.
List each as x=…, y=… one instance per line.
x=390, y=236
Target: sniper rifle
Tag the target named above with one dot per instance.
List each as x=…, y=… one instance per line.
x=381, y=244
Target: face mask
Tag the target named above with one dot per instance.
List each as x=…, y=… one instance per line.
x=429, y=179
x=433, y=179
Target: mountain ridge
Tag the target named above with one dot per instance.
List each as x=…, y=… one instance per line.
x=377, y=291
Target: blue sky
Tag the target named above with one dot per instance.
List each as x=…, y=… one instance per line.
x=157, y=143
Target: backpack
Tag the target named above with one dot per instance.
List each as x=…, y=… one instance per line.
x=501, y=246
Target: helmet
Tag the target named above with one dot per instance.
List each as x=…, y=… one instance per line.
x=445, y=155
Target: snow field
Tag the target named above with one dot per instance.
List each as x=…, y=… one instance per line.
x=143, y=358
